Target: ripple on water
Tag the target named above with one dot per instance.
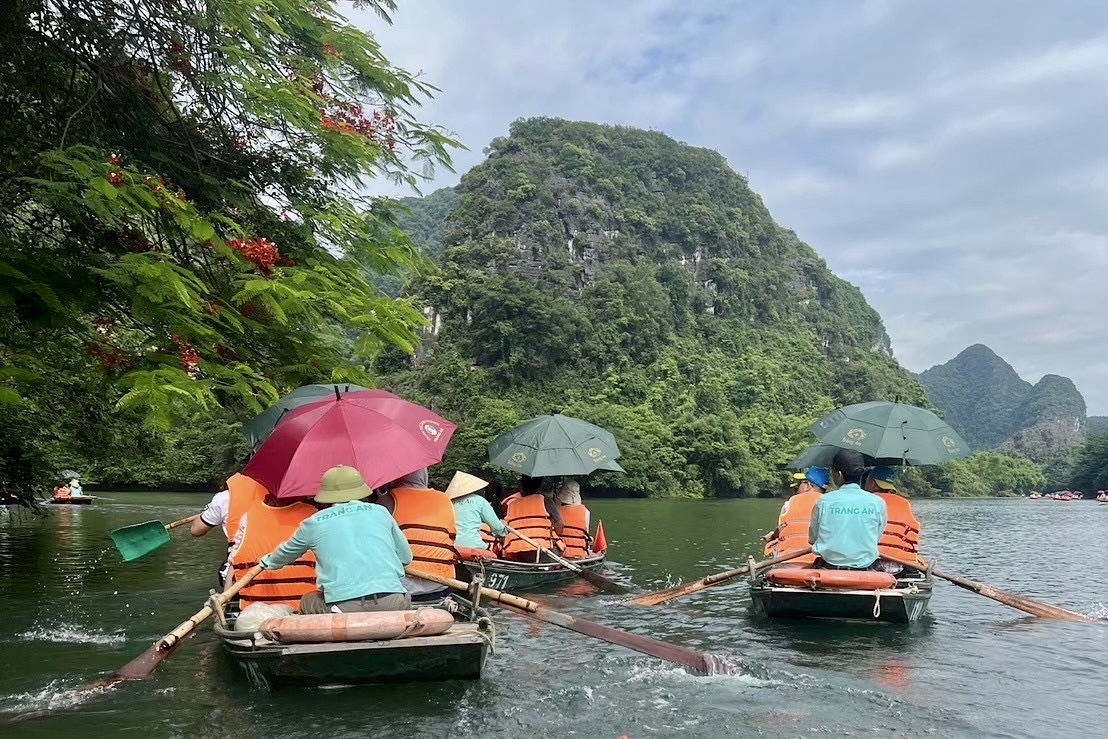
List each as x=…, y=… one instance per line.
x=69, y=634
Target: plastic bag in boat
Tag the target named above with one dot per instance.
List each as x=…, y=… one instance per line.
x=256, y=613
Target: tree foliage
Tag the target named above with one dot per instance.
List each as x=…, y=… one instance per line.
x=180, y=207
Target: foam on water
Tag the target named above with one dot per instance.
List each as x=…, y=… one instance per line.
x=56, y=696
x=69, y=634
x=1099, y=611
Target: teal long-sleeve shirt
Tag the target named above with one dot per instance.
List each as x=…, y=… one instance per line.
x=470, y=511
x=846, y=525
x=358, y=547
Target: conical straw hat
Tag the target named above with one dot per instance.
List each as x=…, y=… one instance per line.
x=464, y=483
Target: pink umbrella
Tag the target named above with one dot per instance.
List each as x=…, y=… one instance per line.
x=384, y=437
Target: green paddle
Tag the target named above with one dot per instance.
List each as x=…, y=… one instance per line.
x=138, y=540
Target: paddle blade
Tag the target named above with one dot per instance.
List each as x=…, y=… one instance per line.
x=143, y=666
x=140, y=539
x=600, y=543
x=659, y=597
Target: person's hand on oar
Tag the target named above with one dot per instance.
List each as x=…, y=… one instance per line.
x=664, y=596
x=1027, y=605
x=690, y=658
x=593, y=577
x=138, y=540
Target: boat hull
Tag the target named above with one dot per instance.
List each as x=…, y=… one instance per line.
x=456, y=655
x=504, y=574
x=905, y=603
x=82, y=500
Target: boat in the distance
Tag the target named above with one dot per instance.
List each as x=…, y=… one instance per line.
x=513, y=575
x=852, y=595
x=362, y=648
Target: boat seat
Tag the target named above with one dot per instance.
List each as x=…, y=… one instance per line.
x=469, y=554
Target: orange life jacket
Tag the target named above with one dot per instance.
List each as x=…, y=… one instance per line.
x=527, y=515
x=793, y=528
x=244, y=492
x=487, y=537
x=61, y=492
x=508, y=501
x=901, y=535
x=266, y=528
x=426, y=517
x=575, y=533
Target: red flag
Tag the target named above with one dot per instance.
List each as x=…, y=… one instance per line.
x=599, y=543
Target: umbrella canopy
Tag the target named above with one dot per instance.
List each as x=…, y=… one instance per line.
x=69, y=475
x=261, y=426
x=892, y=433
x=382, y=436
x=820, y=455
x=555, y=445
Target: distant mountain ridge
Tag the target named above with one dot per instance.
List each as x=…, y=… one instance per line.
x=983, y=397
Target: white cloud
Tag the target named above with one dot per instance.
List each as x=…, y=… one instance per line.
x=950, y=157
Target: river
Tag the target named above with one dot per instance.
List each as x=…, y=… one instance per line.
x=972, y=668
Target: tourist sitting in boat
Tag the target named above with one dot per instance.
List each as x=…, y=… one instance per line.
x=360, y=552
x=900, y=539
x=848, y=521
x=575, y=520
x=791, y=533
x=426, y=518
x=75, y=490
x=225, y=510
x=471, y=510
x=265, y=524
x=536, y=515
x=61, y=492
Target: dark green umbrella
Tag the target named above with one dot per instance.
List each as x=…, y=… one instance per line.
x=893, y=433
x=259, y=428
x=555, y=445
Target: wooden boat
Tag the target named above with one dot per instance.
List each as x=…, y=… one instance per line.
x=458, y=654
x=74, y=500
x=903, y=601
x=507, y=574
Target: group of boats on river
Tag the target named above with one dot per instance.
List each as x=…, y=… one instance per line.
x=1101, y=495
x=451, y=637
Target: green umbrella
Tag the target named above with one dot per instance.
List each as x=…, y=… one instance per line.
x=893, y=433
x=555, y=445
x=261, y=426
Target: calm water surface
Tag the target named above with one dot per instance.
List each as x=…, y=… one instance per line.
x=973, y=668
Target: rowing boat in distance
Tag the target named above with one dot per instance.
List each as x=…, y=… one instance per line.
x=273, y=657
x=73, y=500
x=852, y=595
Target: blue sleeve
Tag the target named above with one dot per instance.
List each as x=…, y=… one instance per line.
x=403, y=549
x=291, y=550
x=488, y=515
x=813, y=523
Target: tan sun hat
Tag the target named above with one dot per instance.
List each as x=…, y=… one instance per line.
x=342, y=484
x=464, y=483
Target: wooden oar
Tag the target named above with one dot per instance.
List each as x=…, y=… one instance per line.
x=144, y=665
x=593, y=577
x=664, y=596
x=1027, y=605
x=690, y=658
x=138, y=540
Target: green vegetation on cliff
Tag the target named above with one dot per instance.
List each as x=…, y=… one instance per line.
x=617, y=275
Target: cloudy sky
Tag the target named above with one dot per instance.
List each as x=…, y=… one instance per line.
x=948, y=157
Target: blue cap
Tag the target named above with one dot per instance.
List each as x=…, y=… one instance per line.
x=885, y=474
x=818, y=476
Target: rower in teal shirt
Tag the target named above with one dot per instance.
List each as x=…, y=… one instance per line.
x=472, y=510
x=847, y=522
x=360, y=551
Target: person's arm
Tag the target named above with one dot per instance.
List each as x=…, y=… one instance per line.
x=214, y=514
x=403, y=549
x=289, y=551
x=198, y=527
x=552, y=507
x=387, y=501
x=488, y=515
x=813, y=523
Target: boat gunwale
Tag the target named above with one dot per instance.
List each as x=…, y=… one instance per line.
x=244, y=643
x=512, y=566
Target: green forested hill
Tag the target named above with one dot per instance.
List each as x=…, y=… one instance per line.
x=623, y=277
x=983, y=397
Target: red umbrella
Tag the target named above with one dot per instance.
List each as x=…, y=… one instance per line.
x=384, y=437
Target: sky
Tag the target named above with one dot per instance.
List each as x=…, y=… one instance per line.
x=949, y=158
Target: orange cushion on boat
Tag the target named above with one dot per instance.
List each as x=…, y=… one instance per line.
x=468, y=554
x=844, y=579
x=363, y=626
